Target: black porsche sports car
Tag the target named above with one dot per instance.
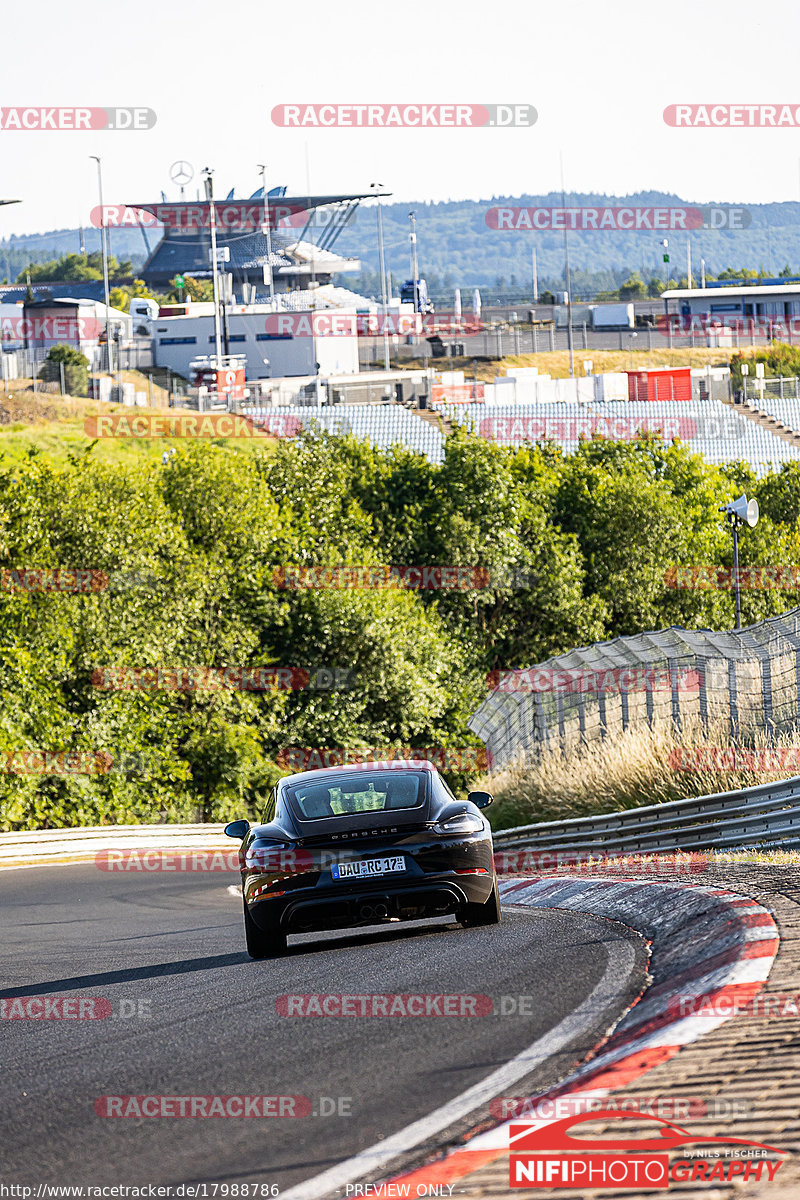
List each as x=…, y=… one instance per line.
x=364, y=844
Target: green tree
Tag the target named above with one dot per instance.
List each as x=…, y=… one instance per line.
x=634, y=288
x=76, y=369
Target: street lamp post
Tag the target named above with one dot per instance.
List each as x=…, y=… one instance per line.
x=104, y=249
x=383, y=278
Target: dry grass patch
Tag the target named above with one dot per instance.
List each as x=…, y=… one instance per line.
x=625, y=770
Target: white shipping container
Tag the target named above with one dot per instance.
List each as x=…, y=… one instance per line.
x=613, y=385
x=613, y=316
x=581, y=315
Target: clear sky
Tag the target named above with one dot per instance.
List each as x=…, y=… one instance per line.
x=599, y=72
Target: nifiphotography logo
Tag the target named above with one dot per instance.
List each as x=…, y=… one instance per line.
x=554, y=1155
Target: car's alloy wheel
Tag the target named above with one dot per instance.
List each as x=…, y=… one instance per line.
x=259, y=943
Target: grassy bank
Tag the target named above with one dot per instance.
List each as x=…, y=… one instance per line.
x=39, y=423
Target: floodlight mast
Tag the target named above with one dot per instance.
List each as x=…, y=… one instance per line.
x=212, y=216
x=738, y=513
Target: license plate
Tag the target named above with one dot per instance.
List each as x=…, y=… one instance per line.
x=367, y=868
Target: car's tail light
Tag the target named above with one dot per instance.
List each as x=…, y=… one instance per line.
x=271, y=853
x=460, y=823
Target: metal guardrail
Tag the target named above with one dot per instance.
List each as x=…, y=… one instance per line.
x=32, y=847
x=766, y=816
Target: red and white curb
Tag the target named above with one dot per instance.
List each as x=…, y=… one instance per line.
x=736, y=941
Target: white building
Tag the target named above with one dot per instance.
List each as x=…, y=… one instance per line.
x=764, y=303
x=305, y=342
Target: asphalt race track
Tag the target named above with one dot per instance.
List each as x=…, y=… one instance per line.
x=171, y=945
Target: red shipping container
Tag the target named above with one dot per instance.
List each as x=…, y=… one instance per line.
x=667, y=384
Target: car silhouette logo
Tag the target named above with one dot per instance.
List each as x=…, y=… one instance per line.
x=557, y=1135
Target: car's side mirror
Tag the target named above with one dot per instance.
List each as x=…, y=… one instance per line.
x=237, y=829
x=481, y=799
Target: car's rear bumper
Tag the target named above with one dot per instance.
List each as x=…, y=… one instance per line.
x=370, y=903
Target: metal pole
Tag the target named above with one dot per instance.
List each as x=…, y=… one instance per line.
x=212, y=216
x=103, y=246
x=383, y=280
x=736, y=575
x=268, y=232
x=568, y=282
x=535, y=278
x=414, y=263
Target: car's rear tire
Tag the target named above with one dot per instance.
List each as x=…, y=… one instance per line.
x=487, y=913
x=259, y=943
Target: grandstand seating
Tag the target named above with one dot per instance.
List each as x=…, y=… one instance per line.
x=785, y=411
x=715, y=430
x=381, y=425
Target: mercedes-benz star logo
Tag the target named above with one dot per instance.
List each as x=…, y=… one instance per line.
x=181, y=173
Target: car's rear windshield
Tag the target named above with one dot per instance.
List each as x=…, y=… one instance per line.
x=362, y=792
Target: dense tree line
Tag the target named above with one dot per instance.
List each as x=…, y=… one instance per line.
x=577, y=548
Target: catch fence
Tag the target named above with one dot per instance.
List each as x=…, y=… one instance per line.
x=746, y=681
